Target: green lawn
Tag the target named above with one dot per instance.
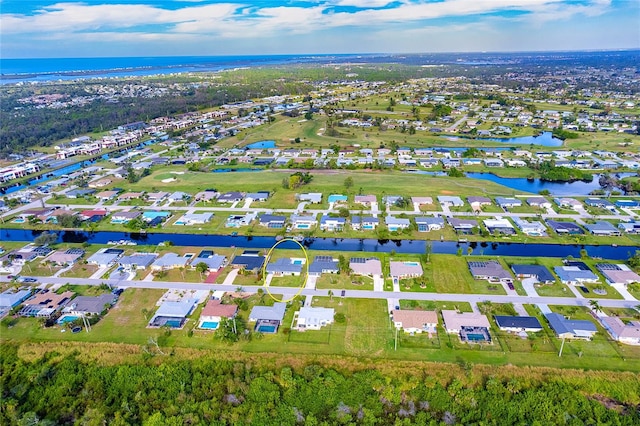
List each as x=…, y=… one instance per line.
x=344, y=282
x=430, y=305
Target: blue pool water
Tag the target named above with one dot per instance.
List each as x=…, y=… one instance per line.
x=262, y=145
x=297, y=262
x=173, y=323
x=266, y=328
x=209, y=325
x=67, y=318
x=475, y=337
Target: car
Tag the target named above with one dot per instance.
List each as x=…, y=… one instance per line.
x=511, y=287
x=342, y=293
x=584, y=289
x=27, y=280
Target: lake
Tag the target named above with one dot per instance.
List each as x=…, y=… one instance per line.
x=544, y=139
x=576, y=188
x=261, y=145
x=333, y=244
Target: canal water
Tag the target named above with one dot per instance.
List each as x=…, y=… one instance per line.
x=544, y=139
x=333, y=244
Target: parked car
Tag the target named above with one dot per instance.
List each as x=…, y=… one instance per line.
x=511, y=287
x=584, y=289
x=27, y=280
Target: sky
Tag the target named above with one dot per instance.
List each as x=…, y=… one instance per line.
x=100, y=28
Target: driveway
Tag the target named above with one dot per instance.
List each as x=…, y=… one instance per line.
x=622, y=289
x=378, y=283
x=311, y=281
x=228, y=280
x=529, y=287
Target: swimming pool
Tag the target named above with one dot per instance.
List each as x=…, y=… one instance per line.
x=209, y=325
x=18, y=220
x=411, y=263
x=298, y=262
x=67, y=318
x=173, y=323
x=472, y=337
x=265, y=328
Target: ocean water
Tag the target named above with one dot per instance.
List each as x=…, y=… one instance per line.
x=47, y=69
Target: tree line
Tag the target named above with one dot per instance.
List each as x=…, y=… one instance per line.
x=64, y=389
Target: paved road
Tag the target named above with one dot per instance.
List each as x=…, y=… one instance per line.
x=366, y=294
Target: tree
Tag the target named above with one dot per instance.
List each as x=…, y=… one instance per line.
x=202, y=267
x=595, y=306
x=343, y=212
x=348, y=183
x=634, y=261
x=330, y=294
x=228, y=330
x=46, y=238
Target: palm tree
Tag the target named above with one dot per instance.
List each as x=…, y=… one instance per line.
x=595, y=306
x=330, y=295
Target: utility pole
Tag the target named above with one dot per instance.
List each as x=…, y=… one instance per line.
x=395, y=347
x=561, y=347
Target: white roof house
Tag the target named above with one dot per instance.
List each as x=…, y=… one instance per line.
x=415, y=321
x=450, y=200
x=401, y=270
x=454, y=321
x=194, y=219
x=103, y=259
x=170, y=261
x=370, y=267
x=623, y=333
x=308, y=318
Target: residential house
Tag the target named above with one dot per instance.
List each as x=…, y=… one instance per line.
x=106, y=195
x=268, y=318
x=105, y=258
x=564, y=228
x=93, y=215
x=366, y=223
x=477, y=202
x=337, y=198
x=124, y=217
x=155, y=218
x=249, y=260
x=402, y=270
x=421, y=201
x=137, y=261
x=257, y=196
x=575, y=274
x=630, y=227
x=630, y=204
x=365, y=200
x=11, y=298
x=312, y=318
x=517, y=324
x=194, y=219
x=459, y=322
x=540, y=202
x=571, y=203
x=173, y=314
x=507, y=202
x=602, y=228
x=450, y=200
x=570, y=329
x=272, y=221
x=491, y=270
x=366, y=266
x=237, y=221
x=323, y=265
x=178, y=196
x=230, y=197
x=499, y=225
x=415, y=321
x=427, y=223
x=214, y=262
x=207, y=195
x=303, y=221
x=530, y=228
x=627, y=333
x=128, y=196
x=89, y=305
x=65, y=257
x=329, y=223
x=79, y=193
x=617, y=273
x=170, y=261
x=214, y=311
x=312, y=197
x=463, y=226
x=600, y=203
x=285, y=267
x=396, y=223
x=156, y=197
x=539, y=272
x=45, y=304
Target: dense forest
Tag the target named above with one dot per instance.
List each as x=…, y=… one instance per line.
x=74, y=387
